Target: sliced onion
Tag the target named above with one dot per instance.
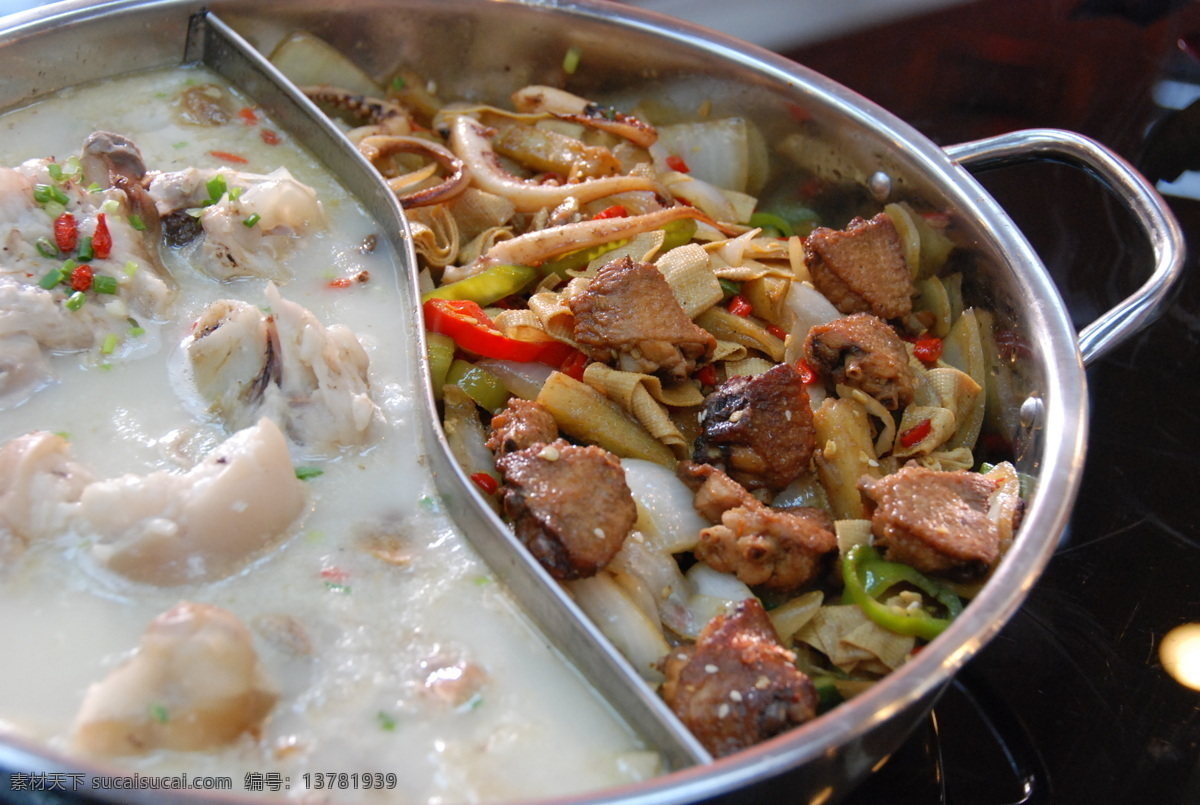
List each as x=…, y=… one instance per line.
x=702, y=195
x=804, y=491
x=810, y=308
x=715, y=594
x=721, y=152
x=726, y=586
x=308, y=61
x=670, y=519
x=621, y=620
x=524, y=380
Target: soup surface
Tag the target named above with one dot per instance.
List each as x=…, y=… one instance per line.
x=386, y=643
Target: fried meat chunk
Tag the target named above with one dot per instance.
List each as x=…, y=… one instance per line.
x=862, y=351
x=935, y=521
x=737, y=685
x=522, y=423
x=759, y=429
x=628, y=312
x=569, y=505
x=779, y=549
x=861, y=269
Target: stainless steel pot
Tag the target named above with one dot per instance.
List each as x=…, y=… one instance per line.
x=485, y=50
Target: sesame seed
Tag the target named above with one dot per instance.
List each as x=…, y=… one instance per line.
x=722, y=711
x=735, y=695
x=549, y=452
x=711, y=669
x=737, y=415
x=787, y=415
x=598, y=532
x=762, y=683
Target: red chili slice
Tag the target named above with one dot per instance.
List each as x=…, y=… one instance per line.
x=485, y=482
x=574, y=365
x=808, y=375
x=66, y=233
x=707, y=375
x=81, y=278
x=269, y=136
x=777, y=331
x=473, y=331
x=740, y=306
x=228, y=157
x=676, y=163
x=916, y=433
x=101, y=238
x=928, y=349
x=615, y=211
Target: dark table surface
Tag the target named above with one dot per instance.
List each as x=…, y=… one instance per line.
x=1071, y=703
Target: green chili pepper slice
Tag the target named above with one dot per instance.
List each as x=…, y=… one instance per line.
x=487, y=286
x=480, y=385
x=772, y=225
x=440, y=349
x=867, y=576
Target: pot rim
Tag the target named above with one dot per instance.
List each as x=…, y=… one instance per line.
x=1062, y=444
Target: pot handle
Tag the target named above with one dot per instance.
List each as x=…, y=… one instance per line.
x=1138, y=196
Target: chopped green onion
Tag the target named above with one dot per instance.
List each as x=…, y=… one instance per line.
x=53, y=209
x=304, y=473
x=86, y=252
x=55, y=170
x=159, y=713
x=334, y=587
x=110, y=344
x=75, y=301
x=571, y=60
x=137, y=223
x=182, y=144
x=42, y=193
x=102, y=283
x=110, y=206
x=130, y=268
x=46, y=247
x=235, y=193
x=94, y=187
x=68, y=266
x=386, y=722
x=252, y=220
x=729, y=287
x=399, y=83
x=51, y=279
x=135, y=329
x=216, y=188
x=74, y=167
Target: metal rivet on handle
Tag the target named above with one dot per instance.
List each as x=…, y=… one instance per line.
x=1032, y=411
x=880, y=185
